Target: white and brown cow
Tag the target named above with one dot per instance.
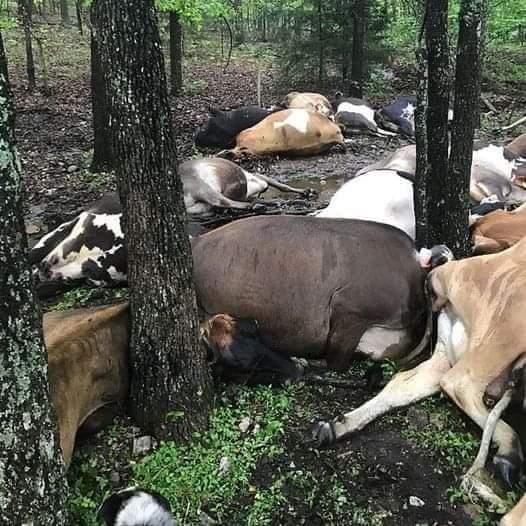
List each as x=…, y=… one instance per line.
x=480, y=325
x=314, y=102
x=294, y=131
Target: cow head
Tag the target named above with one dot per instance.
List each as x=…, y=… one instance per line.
x=215, y=132
x=239, y=353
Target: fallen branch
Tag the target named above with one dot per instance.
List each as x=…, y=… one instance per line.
x=488, y=104
x=514, y=124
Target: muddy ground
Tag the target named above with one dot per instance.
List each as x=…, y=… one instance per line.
x=379, y=469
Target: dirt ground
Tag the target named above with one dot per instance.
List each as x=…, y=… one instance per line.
x=381, y=468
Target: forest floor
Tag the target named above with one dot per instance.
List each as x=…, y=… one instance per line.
x=403, y=469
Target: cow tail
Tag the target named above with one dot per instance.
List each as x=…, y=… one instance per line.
x=426, y=338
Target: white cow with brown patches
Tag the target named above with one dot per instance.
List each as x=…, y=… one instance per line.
x=480, y=327
x=314, y=102
x=294, y=131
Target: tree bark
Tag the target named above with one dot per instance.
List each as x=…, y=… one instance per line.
x=170, y=384
x=438, y=192
x=467, y=94
x=176, y=53
x=102, y=152
x=33, y=488
x=78, y=9
x=24, y=11
x=321, y=44
x=64, y=12
x=358, y=47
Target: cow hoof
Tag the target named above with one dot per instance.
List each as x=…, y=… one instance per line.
x=323, y=433
x=508, y=469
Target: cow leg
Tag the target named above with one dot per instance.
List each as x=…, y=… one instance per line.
x=462, y=385
x=405, y=388
x=208, y=195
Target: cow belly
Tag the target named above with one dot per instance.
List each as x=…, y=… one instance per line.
x=452, y=335
x=379, y=343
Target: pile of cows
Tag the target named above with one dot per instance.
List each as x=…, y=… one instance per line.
x=347, y=279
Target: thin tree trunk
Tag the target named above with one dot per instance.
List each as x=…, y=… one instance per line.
x=176, y=53
x=78, y=8
x=64, y=12
x=467, y=93
x=321, y=48
x=170, y=385
x=358, y=47
x=24, y=10
x=33, y=488
x=437, y=44
x=45, y=80
x=102, y=152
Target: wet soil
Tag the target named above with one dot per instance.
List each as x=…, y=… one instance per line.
x=379, y=469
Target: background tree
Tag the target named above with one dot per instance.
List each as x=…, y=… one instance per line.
x=25, y=13
x=170, y=383
x=33, y=488
x=176, y=53
x=358, y=46
x=64, y=12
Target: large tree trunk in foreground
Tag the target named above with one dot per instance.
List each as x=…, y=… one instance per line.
x=102, y=153
x=467, y=94
x=33, y=486
x=358, y=47
x=24, y=9
x=170, y=384
x=176, y=53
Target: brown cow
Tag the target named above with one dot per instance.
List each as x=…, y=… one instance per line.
x=88, y=366
x=498, y=230
x=480, y=327
x=295, y=131
x=308, y=101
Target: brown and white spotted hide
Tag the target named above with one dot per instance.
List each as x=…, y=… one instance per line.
x=308, y=101
x=294, y=131
x=88, y=367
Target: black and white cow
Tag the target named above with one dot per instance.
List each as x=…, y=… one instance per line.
x=399, y=116
x=223, y=126
x=356, y=115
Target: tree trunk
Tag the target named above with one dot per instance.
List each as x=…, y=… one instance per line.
x=438, y=193
x=321, y=49
x=170, y=386
x=64, y=12
x=78, y=8
x=467, y=94
x=176, y=53
x=358, y=47
x=24, y=11
x=102, y=152
x=33, y=488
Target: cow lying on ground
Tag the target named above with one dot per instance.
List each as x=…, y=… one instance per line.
x=319, y=288
x=498, y=230
x=294, y=131
x=399, y=116
x=356, y=116
x=517, y=516
x=91, y=246
x=308, y=101
x=223, y=126
x=88, y=363
x=480, y=329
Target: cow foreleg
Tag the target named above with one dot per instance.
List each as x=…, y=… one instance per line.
x=462, y=386
x=405, y=388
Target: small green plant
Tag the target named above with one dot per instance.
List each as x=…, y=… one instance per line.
x=97, y=181
x=75, y=298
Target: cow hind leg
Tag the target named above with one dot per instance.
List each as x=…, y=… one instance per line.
x=462, y=386
x=405, y=388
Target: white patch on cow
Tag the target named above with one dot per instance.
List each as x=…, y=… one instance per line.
x=70, y=267
x=198, y=208
x=362, y=109
x=41, y=243
x=492, y=158
x=450, y=115
x=143, y=509
x=408, y=113
x=380, y=195
x=451, y=331
x=255, y=185
x=375, y=341
x=111, y=221
x=297, y=119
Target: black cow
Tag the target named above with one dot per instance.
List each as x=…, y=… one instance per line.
x=399, y=116
x=223, y=126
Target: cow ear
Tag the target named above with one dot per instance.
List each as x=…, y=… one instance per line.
x=338, y=95
x=214, y=110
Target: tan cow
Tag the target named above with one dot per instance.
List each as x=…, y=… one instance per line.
x=308, y=101
x=295, y=131
x=88, y=366
x=498, y=230
x=480, y=334
x=517, y=516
